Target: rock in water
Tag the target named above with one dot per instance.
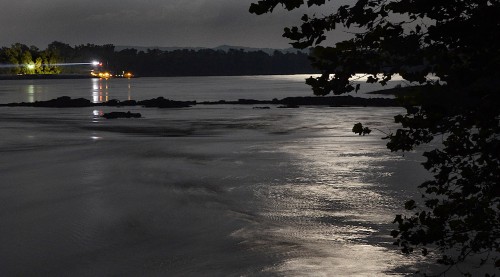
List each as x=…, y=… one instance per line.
x=113, y=115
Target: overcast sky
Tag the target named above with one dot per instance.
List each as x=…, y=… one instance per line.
x=204, y=23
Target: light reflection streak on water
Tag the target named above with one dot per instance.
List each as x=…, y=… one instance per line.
x=100, y=90
x=327, y=218
x=31, y=93
x=129, y=91
x=96, y=114
x=34, y=92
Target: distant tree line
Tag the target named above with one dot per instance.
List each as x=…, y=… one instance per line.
x=21, y=59
x=153, y=62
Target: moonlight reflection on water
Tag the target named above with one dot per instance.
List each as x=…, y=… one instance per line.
x=330, y=214
x=209, y=190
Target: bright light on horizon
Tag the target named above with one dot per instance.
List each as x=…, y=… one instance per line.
x=94, y=63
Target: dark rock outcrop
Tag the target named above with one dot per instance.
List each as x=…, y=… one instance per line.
x=339, y=101
x=60, y=102
x=113, y=115
x=161, y=102
x=261, y=108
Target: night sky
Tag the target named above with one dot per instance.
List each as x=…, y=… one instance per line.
x=194, y=23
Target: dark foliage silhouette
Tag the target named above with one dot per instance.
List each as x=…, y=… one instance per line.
x=457, y=41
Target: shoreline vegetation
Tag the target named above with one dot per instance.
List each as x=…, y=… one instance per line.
x=64, y=60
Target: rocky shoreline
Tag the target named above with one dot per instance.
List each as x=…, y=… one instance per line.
x=160, y=102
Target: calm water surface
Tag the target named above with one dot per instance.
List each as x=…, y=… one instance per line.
x=210, y=190
x=174, y=88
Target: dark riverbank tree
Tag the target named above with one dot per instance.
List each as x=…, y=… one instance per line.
x=209, y=62
x=457, y=41
x=152, y=63
x=21, y=59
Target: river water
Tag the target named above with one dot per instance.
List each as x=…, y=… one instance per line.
x=219, y=190
x=174, y=88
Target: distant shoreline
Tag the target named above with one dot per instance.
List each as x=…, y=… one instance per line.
x=84, y=76
x=45, y=76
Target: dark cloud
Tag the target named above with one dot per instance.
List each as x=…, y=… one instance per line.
x=143, y=23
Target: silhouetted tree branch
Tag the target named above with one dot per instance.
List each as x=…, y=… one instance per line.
x=457, y=42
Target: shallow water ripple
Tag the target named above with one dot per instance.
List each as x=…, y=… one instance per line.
x=217, y=191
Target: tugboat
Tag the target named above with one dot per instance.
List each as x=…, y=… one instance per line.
x=101, y=74
x=126, y=74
